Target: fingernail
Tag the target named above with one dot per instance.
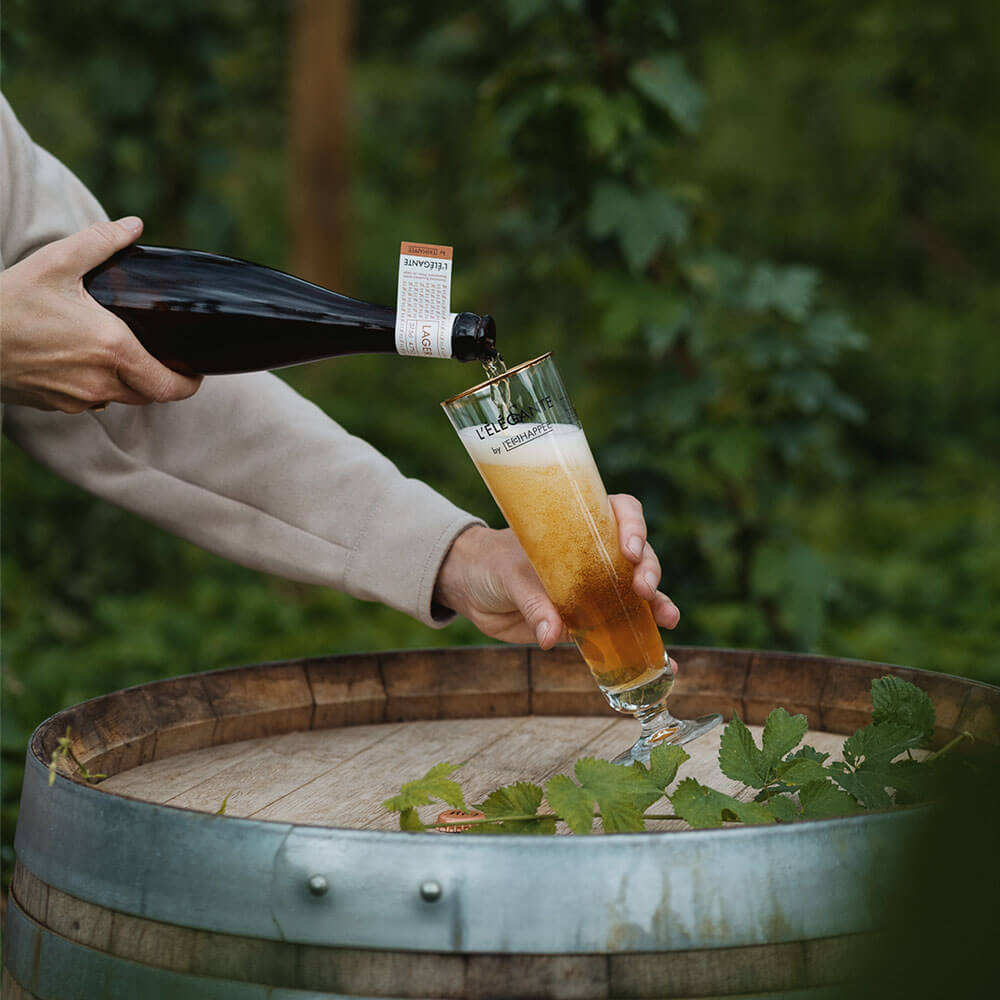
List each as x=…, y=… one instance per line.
x=542, y=632
x=652, y=581
x=677, y=610
x=635, y=546
x=131, y=222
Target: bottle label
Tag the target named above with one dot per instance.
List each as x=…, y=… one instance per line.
x=423, y=301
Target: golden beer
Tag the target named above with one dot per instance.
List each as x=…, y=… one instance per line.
x=549, y=490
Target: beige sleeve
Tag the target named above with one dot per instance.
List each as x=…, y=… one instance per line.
x=250, y=470
x=41, y=200
x=246, y=467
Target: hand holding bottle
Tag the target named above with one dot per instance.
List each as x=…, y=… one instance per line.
x=59, y=349
x=487, y=578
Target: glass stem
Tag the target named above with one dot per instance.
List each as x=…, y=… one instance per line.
x=654, y=719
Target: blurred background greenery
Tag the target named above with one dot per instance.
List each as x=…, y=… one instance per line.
x=760, y=238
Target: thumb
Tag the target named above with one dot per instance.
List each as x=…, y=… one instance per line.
x=537, y=610
x=95, y=244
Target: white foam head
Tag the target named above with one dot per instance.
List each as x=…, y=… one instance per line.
x=528, y=444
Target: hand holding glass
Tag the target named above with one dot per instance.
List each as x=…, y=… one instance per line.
x=523, y=434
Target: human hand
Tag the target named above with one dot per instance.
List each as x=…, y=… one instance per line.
x=59, y=349
x=487, y=578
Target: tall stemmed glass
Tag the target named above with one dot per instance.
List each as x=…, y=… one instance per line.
x=523, y=434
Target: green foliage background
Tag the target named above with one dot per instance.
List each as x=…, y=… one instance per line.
x=758, y=237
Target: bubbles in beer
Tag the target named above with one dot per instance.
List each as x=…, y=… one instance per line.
x=546, y=483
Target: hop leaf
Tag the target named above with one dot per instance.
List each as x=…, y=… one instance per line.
x=705, y=807
x=782, y=808
x=899, y=702
x=506, y=808
x=782, y=733
x=822, y=799
x=622, y=793
x=739, y=756
x=664, y=79
x=808, y=753
x=800, y=771
x=866, y=784
x=422, y=791
x=880, y=743
x=664, y=762
x=573, y=803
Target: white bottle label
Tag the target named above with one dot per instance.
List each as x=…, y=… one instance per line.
x=423, y=301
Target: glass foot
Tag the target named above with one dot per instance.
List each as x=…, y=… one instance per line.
x=666, y=731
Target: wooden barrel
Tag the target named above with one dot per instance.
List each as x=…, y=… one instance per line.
x=136, y=887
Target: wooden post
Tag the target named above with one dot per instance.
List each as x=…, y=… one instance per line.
x=322, y=32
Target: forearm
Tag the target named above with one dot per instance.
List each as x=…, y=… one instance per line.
x=250, y=470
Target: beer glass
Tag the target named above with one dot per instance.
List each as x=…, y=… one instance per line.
x=523, y=434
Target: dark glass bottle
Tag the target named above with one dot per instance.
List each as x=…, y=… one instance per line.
x=200, y=313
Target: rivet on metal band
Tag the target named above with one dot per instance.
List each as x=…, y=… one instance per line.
x=318, y=885
x=430, y=892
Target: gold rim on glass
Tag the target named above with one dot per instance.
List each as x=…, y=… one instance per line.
x=499, y=378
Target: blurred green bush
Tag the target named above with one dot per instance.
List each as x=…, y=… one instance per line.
x=696, y=206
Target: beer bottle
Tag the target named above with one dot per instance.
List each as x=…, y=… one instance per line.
x=203, y=314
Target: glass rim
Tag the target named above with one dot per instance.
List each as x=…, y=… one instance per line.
x=498, y=378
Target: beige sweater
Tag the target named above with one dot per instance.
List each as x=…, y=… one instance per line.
x=246, y=467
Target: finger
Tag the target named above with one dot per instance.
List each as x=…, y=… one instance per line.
x=86, y=249
x=631, y=525
x=673, y=663
x=538, y=611
x=665, y=612
x=141, y=373
x=646, y=577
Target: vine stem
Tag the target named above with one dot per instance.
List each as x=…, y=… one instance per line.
x=521, y=817
x=950, y=745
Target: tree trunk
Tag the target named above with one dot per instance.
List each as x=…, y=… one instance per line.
x=318, y=174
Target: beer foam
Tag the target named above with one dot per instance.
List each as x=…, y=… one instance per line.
x=527, y=444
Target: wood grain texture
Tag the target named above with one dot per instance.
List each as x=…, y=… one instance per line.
x=340, y=777
x=456, y=683
x=12, y=990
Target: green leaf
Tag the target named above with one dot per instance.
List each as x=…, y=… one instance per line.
x=410, y=821
x=796, y=577
x=895, y=700
x=880, y=743
x=664, y=762
x=799, y=772
x=517, y=800
x=665, y=80
x=822, y=799
x=782, y=733
x=696, y=804
x=622, y=794
x=573, y=804
x=916, y=781
x=422, y=791
x=867, y=785
x=787, y=290
x=643, y=222
x=783, y=808
x=807, y=752
x=705, y=807
x=739, y=756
